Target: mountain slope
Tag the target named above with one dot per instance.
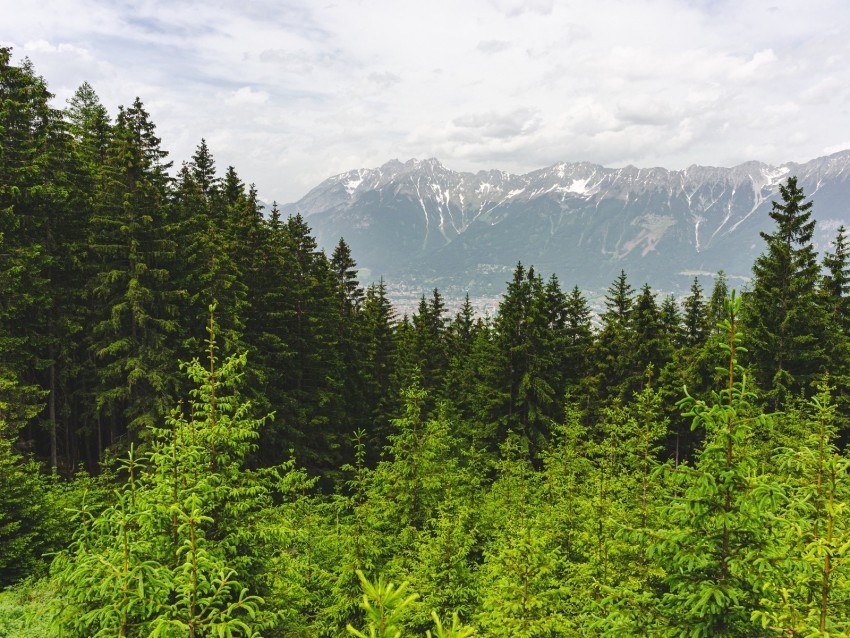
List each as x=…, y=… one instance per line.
x=422, y=224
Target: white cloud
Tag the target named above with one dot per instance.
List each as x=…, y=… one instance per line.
x=292, y=91
x=43, y=46
x=246, y=96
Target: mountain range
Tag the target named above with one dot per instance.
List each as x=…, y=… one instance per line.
x=421, y=225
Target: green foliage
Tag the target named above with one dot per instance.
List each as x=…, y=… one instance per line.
x=783, y=316
x=164, y=557
x=715, y=543
x=808, y=595
x=22, y=610
x=385, y=605
x=24, y=514
x=532, y=474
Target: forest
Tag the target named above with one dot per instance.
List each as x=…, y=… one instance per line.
x=210, y=427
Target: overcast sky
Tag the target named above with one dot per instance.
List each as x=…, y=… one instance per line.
x=291, y=92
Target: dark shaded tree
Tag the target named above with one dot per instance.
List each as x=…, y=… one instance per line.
x=783, y=316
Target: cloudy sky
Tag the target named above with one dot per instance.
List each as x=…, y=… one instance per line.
x=293, y=91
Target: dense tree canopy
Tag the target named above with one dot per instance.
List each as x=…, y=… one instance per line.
x=209, y=427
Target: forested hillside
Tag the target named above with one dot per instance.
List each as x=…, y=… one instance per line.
x=209, y=427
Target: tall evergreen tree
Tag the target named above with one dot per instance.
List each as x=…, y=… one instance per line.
x=135, y=323
x=672, y=324
x=719, y=293
x=43, y=216
x=695, y=315
x=651, y=347
x=614, y=347
x=431, y=347
x=835, y=284
x=525, y=385
x=202, y=167
x=579, y=342
x=783, y=315
x=378, y=317
x=835, y=295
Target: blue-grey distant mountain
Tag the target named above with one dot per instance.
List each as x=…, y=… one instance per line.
x=425, y=225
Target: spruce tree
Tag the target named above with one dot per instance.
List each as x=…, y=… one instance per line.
x=177, y=549
x=783, y=315
x=719, y=293
x=614, y=345
x=695, y=315
x=135, y=315
x=206, y=267
x=578, y=333
x=835, y=296
x=527, y=361
x=652, y=346
x=43, y=218
x=378, y=368
x=717, y=538
x=671, y=321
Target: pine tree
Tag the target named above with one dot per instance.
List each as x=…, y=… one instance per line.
x=89, y=124
x=614, y=344
x=464, y=373
x=671, y=321
x=202, y=167
x=378, y=369
x=310, y=383
x=527, y=354
x=651, y=346
x=42, y=226
x=176, y=549
x=719, y=294
x=135, y=315
x=783, y=316
x=835, y=296
x=810, y=582
x=717, y=536
x=24, y=507
x=430, y=342
x=695, y=315
x=579, y=343
x=205, y=265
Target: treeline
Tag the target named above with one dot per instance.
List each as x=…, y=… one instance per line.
x=674, y=468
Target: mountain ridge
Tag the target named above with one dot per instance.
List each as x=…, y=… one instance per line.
x=418, y=223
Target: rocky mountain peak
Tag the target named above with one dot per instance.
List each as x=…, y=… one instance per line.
x=422, y=223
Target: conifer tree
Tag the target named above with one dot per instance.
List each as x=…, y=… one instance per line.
x=614, y=360
x=202, y=167
x=135, y=323
x=783, y=315
x=24, y=502
x=527, y=356
x=430, y=342
x=719, y=294
x=578, y=334
x=717, y=536
x=696, y=316
x=175, y=551
x=206, y=266
x=671, y=321
x=89, y=125
x=651, y=347
x=835, y=295
x=351, y=337
x=810, y=584
x=42, y=226
x=465, y=371
x=311, y=409
x=380, y=353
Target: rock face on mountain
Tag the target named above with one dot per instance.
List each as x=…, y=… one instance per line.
x=423, y=225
